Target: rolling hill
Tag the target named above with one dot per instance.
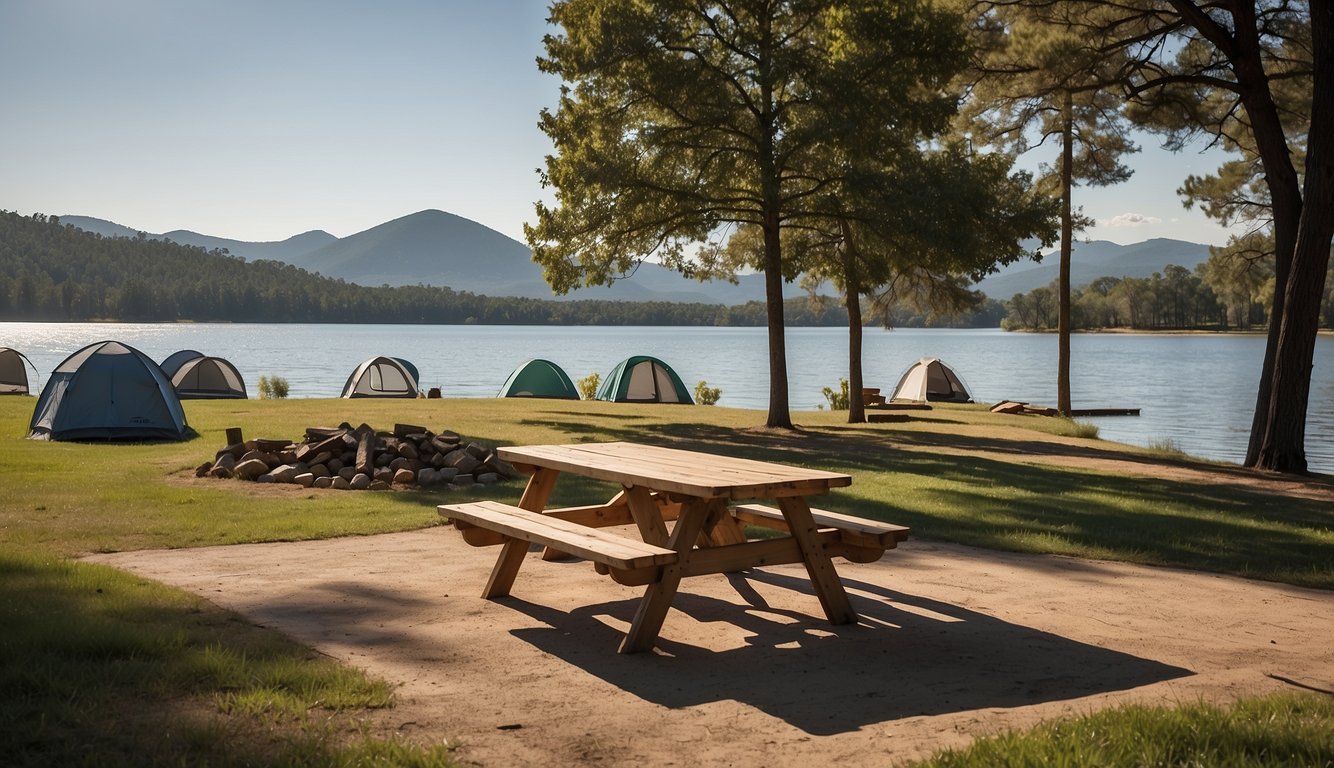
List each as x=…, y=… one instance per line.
x=436, y=248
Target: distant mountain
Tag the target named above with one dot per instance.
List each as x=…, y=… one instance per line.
x=441, y=249
x=1092, y=260
x=284, y=250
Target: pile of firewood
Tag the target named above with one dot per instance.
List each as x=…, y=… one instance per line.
x=360, y=458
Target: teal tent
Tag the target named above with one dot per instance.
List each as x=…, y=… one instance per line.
x=108, y=391
x=382, y=377
x=643, y=379
x=539, y=378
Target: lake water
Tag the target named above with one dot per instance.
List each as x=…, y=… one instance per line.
x=1197, y=391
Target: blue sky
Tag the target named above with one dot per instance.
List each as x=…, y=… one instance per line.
x=261, y=120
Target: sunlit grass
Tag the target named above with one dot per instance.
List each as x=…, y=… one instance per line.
x=94, y=662
x=1279, y=731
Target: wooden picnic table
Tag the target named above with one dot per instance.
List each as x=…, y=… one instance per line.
x=700, y=492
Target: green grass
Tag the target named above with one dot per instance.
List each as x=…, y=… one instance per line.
x=84, y=647
x=1280, y=731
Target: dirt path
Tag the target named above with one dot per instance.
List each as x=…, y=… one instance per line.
x=954, y=643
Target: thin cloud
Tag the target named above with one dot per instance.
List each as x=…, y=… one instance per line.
x=1131, y=220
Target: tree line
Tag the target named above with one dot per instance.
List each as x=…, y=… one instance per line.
x=55, y=272
x=1210, y=298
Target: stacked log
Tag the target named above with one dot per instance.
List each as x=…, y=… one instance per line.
x=361, y=458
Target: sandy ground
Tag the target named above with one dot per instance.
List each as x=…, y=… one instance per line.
x=954, y=643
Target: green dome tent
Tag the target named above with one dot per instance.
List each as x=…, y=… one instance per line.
x=108, y=391
x=539, y=378
x=643, y=379
x=13, y=373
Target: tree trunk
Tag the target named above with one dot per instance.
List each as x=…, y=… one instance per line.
x=1283, y=446
x=1285, y=194
x=779, y=414
x=1067, y=245
x=853, y=301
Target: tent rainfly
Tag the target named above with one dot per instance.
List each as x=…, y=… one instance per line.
x=929, y=379
x=643, y=379
x=175, y=360
x=382, y=377
x=108, y=391
x=13, y=374
x=208, y=378
x=539, y=378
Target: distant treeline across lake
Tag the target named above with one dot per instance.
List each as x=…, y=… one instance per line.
x=1196, y=391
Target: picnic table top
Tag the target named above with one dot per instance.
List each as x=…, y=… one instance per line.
x=674, y=470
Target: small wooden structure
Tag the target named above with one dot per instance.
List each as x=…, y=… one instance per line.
x=699, y=493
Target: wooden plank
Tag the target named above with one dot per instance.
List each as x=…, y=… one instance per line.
x=692, y=473
x=736, y=557
x=644, y=509
x=833, y=598
x=658, y=596
x=589, y=543
x=854, y=531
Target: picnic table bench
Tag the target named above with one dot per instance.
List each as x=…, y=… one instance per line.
x=701, y=494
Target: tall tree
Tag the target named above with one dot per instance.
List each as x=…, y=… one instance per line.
x=1036, y=81
x=1258, y=77
x=678, y=119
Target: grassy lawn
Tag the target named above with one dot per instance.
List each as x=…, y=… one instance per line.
x=100, y=667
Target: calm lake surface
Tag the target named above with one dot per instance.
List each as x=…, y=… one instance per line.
x=1196, y=391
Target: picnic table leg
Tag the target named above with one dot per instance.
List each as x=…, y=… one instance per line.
x=657, y=600
x=828, y=587
x=534, y=499
x=647, y=517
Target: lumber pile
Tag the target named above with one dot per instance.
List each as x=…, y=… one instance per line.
x=360, y=458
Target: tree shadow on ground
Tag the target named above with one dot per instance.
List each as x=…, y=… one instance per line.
x=909, y=656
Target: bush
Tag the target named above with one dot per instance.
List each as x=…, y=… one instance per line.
x=838, y=401
x=706, y=395
x=588, y=385
x=272, y=388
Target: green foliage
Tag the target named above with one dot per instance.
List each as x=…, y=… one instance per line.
x=1174, y=299
x=706, y=395
x=272, y=388
x=1278, y=730
x=838, y=401
x=588, y=385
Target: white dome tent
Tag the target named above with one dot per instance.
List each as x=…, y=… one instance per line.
x=929, y=379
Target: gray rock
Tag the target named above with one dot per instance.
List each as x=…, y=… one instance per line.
x=323, y=482
x=249, y=469
x=407, y=450
x=488, y=478
x=478, y=450
x=427, y=476
x=264, y=478
x=319, y=470
x=360, y=481
x=341, y=483
x=305, y=479
x=335, y=465
x=463, y=480
x=384, y=474
x=347, y=473
x=379, y=485
x=285, y=473
x=447, y=474
x=404, y=476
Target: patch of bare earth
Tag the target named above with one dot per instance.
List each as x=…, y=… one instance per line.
x=954, y=643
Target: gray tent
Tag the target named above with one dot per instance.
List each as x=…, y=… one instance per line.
x=108, y=391
x=174, y=361
x=208, y=378
x=13, y=373
x=382, y=377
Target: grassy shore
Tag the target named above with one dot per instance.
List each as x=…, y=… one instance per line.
x=86, y=647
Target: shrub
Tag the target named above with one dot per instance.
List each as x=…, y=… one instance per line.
x=838, y=401
x=706, y=395
x=272, y=388
x=588, y=385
